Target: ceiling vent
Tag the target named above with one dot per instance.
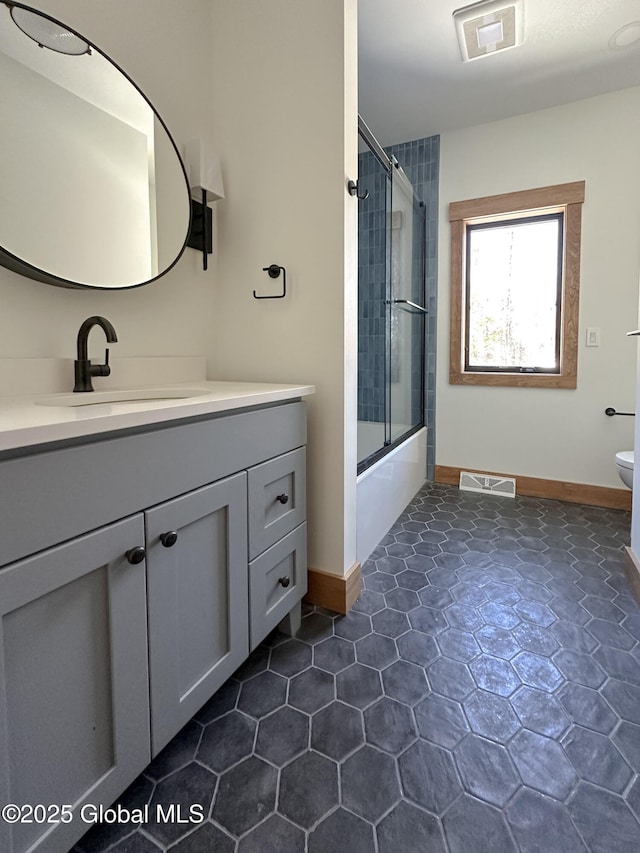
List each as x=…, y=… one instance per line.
x=488, y=27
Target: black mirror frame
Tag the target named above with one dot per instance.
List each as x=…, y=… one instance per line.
x=22, y=267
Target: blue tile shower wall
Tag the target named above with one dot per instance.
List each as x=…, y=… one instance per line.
x=420, y=159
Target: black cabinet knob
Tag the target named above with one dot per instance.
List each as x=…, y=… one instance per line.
x=136, y=555
x=283, y=498
x=169, y=538
x=284, y=582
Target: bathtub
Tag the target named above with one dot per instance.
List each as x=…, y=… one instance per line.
x=385, y=488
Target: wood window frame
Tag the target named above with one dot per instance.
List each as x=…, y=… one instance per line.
x=566, y=197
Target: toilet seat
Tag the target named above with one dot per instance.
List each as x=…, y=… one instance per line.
x=625, y=459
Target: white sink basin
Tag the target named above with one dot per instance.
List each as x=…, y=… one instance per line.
x=128, y=396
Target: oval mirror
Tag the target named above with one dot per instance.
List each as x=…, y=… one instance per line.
x=93, y=192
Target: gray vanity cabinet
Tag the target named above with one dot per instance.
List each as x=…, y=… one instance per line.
x=106, y=654
x=74, y=708
x=197, y=600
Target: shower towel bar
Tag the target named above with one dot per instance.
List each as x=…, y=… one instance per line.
x=417, y=309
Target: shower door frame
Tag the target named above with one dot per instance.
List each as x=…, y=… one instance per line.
x=390, y=165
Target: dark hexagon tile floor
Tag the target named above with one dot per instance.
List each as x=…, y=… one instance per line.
x=482, y=695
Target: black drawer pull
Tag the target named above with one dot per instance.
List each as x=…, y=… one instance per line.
x=136, y=555
x=284, y=582
x=169, y=539
x=283, y=498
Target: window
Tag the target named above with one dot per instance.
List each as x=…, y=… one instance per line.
x=513, y=294
x=515, y=269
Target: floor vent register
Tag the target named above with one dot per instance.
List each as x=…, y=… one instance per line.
x=488, y=484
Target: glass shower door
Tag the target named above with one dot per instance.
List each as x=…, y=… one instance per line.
x=407, y=311
x=391, y=316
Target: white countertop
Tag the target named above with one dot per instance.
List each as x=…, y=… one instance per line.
x=25, y=421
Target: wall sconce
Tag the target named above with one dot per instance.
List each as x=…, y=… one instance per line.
x=205, y=183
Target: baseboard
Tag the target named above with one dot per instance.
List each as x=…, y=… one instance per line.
x=334, y=592
x=558, y=490
x=632, y=571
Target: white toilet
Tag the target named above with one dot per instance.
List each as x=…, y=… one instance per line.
x=624, y=464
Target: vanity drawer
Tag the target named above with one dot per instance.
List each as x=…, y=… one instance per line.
x=277, y=499
x=277, y=581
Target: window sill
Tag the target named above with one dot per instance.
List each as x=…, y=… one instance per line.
x=514, y=380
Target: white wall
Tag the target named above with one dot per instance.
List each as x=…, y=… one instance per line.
x=166, y=48
x=285, y=113
x=554, y=434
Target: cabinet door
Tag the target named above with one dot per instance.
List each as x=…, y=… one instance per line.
x=197, y=597
x=74, y=705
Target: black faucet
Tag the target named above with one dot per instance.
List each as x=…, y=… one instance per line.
x=83, y=369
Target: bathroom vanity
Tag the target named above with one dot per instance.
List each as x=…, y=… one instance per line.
x=146, y=547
